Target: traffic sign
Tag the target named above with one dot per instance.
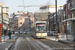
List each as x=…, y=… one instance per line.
x=68, y=28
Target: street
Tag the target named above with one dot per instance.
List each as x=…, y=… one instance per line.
x=37, y=25
x=26, y=42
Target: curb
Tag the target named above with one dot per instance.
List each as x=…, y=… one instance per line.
x=64, y=42
x=68, y=43
x=9, y=46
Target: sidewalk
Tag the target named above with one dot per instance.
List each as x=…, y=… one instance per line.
x=5, y=46
x=7, y=37
x=62, y=40
x=8, y=42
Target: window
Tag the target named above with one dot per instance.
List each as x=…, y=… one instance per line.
x=72, y=15
x=40, y=28
x=20, y=22
x=68, y=16
x=18, y=14
x=26, y=19
x=71, y=3
x=20, y=18
x=68, y=6
x=27, y=23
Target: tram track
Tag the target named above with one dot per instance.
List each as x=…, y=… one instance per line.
x=34, y=44
x=29, y=43
x=42, y=45
x=55, y=45
x=24, y=45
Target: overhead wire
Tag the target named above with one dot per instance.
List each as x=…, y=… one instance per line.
x=30, y=2
x=38, y=2
x=34, y=2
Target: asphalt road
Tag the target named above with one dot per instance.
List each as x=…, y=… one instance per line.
x=26, y=42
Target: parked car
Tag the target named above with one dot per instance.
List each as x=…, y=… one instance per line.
x=55, y=33
x=16, y=32
x=51, y=33
x=21, y=32
x=24, y=32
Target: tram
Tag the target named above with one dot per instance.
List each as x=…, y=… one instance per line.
x=40, y=29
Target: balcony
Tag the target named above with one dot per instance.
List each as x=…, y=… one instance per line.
x=6, y=22
x=4, y=26
x=6, y=19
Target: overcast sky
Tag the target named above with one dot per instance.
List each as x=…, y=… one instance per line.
x=13, y=4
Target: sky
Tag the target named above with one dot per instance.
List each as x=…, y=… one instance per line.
x=13, y=4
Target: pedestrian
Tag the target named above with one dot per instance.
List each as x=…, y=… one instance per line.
x=9, y=34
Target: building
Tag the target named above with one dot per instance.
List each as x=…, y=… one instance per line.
x=64, y=25
x=22, y=21
x=60, y=19
x=44, y=10
x=26, y=22
x=13, y=24
x=43, y=15
x=68, y=20
x=4, y=14
x=72, y=19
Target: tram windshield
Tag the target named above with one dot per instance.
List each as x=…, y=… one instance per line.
x=40, y=28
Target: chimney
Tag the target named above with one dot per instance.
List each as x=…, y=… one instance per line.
x=18, y=11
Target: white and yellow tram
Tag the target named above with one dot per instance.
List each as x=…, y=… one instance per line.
x=40, y=29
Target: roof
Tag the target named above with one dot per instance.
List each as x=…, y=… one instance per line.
x=40, y=21
x=2, y=4
x=50, y=6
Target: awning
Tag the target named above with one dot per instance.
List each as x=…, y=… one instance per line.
x=64, y=21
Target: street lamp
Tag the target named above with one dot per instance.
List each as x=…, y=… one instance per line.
x=49, y=19
x=56, y=19
x=29, y=20
x=56, y=13
x=2, y=19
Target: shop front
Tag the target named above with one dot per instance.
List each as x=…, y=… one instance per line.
x=71, y=29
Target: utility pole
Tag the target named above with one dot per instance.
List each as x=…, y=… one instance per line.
x=49, y=22
x=29, y=21
x=56, y=19
x=56, y=13
x=49, y=19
